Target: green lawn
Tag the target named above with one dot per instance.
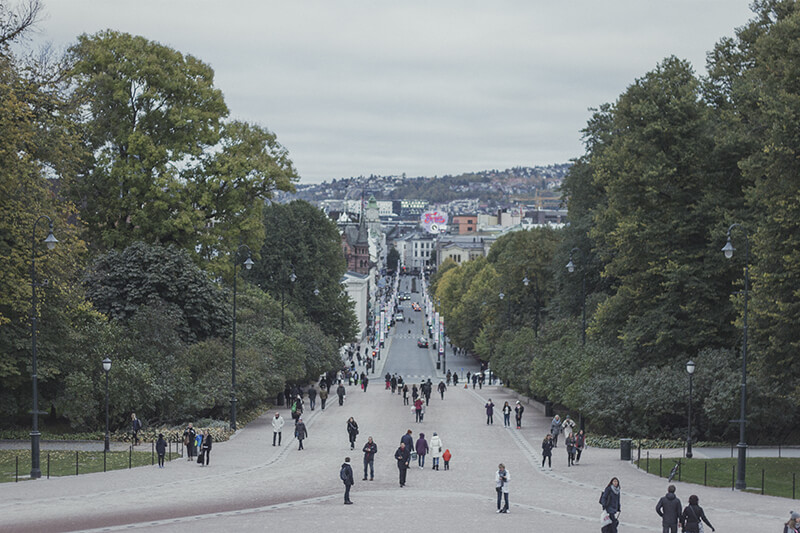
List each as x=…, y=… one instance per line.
x=781, y=475
x=62, y=463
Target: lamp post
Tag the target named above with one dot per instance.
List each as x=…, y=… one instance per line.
x=690, y=371
x=741, y=461
x=50, y=241
x=106, y=368
x=248, y=264
x=571, y=269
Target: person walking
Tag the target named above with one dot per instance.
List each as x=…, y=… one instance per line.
x=792, y=525
x=506, y=415
x=580, y=444
x=403, y=456
x=547, y=451
x=435, y=449
x=418, y=409
x=136, y=426
x=205, y=448
x=442, y=387
x=405, y=394
x=427, y=389
x=341, y=393
x=346, y=475
x=489, y=412
x=669, y=509
x=300, y=432
x=312, y=397
x=277, y=426
x=569, y=442
x=421, y=448
x=555, y=429
x=352, y=432
x=692, y=516
x=297, y=408
x=369, y=449
x=323, y=396
x=474, y=380
x=610, y=500
x=408, y=440
x=393, y=383
x=449, y=376
x=189, y=435
x=414, y=392
x=518, y=410
x=501, y=479
x=568, y=426
x=161, y=449
x=365, y=382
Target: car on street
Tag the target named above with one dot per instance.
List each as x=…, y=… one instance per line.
x=422, y=342
x=400, y=317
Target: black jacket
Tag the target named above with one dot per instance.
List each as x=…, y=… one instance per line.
x=692, y=516
x=669, y=509
x=610, y=501
x=161, y=447
x=348, y=474
x=207, y=440
x=370, y=449
x=300, y=431
x=352, y=429
x=403, y=457
x=547, y=448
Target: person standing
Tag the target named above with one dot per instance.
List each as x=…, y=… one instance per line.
x=610, y=500
x=297, y=408
x=300, y=432
x=489, y=412
x=403, y=456
x=669, y=509
x=136, y=426
x=418, y=409
x=518, y=410
x=547, y=451
x=506, y=415
x=474, y=380
x=365, y=382
x=422, y=450
x=346, y=475
x=206, y=447
x=312, y=397
x=161, y=449
x=791, y=525
x=442, y=387
x=455, y=379
x=692, y=516
x=555, y=429
x=189, y=435
x=501, y=479
x=393, y=383
x=435, y=449
x=580, y=444
x=569, y=442
x=405, y=394
x=340, y=392
x=370, y=449
x=352, y=432
x=323, y=396
x=277, y=426
x=414, y=392
x=568, y=426
x=427, y=390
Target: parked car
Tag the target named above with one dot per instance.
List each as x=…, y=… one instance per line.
x=400, y=317
x=422, y=342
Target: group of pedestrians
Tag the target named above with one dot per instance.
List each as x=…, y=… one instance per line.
x=193, y=441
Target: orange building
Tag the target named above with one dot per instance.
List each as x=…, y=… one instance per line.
x=465, y=223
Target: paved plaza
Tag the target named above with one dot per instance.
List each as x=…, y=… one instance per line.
x=251, y=485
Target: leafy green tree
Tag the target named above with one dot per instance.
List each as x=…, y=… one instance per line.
x=120, y=282
x=392, y=259
x=301, y=240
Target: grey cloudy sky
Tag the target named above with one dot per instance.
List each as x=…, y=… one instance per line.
x=359, y=87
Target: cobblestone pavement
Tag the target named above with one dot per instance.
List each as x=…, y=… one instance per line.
x=251, y=485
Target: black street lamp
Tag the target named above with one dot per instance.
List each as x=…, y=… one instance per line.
x=248, y=264
x=50, y=241
x=690, y=370
x=571, y=269
x=741, y=461
x=106, y=368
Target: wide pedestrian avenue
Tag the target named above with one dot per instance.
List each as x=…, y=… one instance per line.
x=252, y=486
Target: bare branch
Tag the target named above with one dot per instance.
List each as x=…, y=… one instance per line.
x=14, y=21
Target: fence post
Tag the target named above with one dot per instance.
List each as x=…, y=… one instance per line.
x=104, y=460
x=659, y=465
x=733, y=477
x=648, y=461
x=76, y=463
x=152, y=453
x=731, y=450
x=793, y=476
x=705, y=473
x=17, y=474
x=48, y=465
x=679, y=469
x=762, y=481
x=130, y=456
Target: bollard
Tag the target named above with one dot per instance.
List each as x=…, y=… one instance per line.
x=659, y=465
x=130, y=456
x=705, y=473
x=48, y=465
x=76, y=463
x=648, y=461
x=16, y=476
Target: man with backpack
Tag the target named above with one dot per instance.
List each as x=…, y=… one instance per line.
x=669, y=509
x=346, y=475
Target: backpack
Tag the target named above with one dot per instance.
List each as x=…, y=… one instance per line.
x=294, y=407
x=343, y=473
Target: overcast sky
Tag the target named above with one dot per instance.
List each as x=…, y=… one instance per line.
x=359, y=87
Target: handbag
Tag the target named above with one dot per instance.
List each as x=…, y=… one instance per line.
x=605, y=519
x=414, y=456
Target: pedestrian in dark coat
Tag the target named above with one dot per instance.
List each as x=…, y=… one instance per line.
x=205, y=448
x=547, y=450
x=414, y=392
x=340, y=392
x=352, y=432
x=569, y=442
x=692, y=516
x=346, y=475
x=489, y=412
x=136, y=426
x=300, y=432
x=580, y=444
x=161, y=449
x=312, y=397
x=403, y=456
x=369, y=449
x=506, y=415
x=408, y=440
x=442, y=387
x=323, y=396
x=669, y=509
x=189, y=435
x=610, y=500
x=518, y=410
x=405, y=394
x=422, y=450
x=555, y=429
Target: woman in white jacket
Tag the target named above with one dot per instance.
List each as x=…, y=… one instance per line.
x=435, y=449
x=501, y=479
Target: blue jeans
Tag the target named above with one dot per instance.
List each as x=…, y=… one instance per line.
x=421, y=459
x=506, y=419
